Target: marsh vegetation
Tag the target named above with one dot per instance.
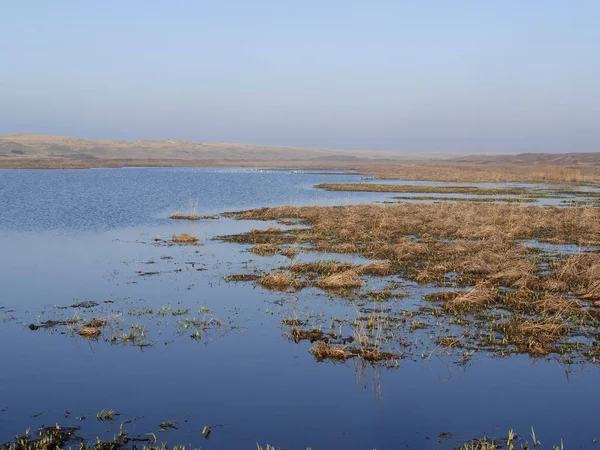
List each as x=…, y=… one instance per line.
x=493, y=292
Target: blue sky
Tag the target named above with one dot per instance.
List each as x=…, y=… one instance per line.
x=476, y=76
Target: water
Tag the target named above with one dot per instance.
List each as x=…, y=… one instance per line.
x=69, y=236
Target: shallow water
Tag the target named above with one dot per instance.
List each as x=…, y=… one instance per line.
x=70, y=236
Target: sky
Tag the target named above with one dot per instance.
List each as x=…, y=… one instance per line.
x=447, y=75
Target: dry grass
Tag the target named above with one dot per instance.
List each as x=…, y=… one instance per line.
x=265, y=249
x=480, y=297
x=368, y=187
x=534, y=336
x=381, y=268
x=270, y=230
x=290, y=252
x=343, y=280
x=320, y=267
x=89, y=332
x=277, y=281
x=294, y=321
x=323, y=351
x=183, y=216
x=470, y=172
x=579, y=274
x=185, y=238
x=391, y=225
x=541, y=300
x=448, y=341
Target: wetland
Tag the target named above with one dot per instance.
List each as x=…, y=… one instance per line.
x=232, y=308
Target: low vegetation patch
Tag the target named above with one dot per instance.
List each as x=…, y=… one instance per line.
x=367, y=187
x=265, y=249
x=493, y=292
x=185, y=238
x=277, y=281
x=183, y=216
x=342, y=280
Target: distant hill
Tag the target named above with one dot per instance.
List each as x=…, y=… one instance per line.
x=553, y=159
x=36, y=150
x=23, y=146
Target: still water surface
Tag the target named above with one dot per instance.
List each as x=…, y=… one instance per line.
x=69, y=236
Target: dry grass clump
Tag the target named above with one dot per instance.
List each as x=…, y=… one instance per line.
x=290, y=252
x=320, y=267
x=314, y=335
x=377, y=268
x=579, y=274
x=344, y=247
x=277, y=281
x=265, y=249
x=499, y=262
x=270, y=230
x=342, y=280
x=441, y=296
x=185, y=238
x=182, y=216
x=293, y=322
x=89, y=332
x=479, y=297
x=448, y=341
x=326, y=351
x=534, y=336
x=323, y=351
x=557, y=304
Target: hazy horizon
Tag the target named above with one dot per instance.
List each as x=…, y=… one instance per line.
x=463, y=76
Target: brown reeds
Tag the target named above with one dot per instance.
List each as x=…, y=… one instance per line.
x=377, y=268
x=343, y=280
x=534, y=336
x=541, y=296
x=290, y=252
x=479, y=297
x=276, y=281
x=265, y=249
